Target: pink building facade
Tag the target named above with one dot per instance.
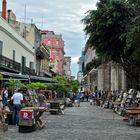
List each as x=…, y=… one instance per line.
x=56, y=45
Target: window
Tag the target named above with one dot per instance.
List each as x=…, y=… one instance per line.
x=23, y=64
x=14, y=55
x=57, y=43
x=49, y=42
x=31, y=65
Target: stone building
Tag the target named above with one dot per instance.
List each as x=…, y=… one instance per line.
x=33, y=36
x=80, y=73
x=56, y=45
x=107, y=77
x=15, y=50
x=67, y=66
x=111, y=77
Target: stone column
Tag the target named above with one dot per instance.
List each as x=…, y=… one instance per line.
x=107, y=77
x=100, y=80
x=113, y=77
x=123, y=80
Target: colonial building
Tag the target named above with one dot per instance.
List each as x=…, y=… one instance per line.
x=56, y=45
x=80, y=73
x=67, y=69
x=107, y=77
x=33, y=36
x=111, y=77
x=16, y=53
x=89, y=78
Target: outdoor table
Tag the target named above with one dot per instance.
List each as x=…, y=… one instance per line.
x=55, y=107
x=133, y=116
x=132, y=108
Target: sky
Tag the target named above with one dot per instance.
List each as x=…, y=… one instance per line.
x=61, y=16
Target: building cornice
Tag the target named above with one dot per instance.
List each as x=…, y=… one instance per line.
x=11, y=36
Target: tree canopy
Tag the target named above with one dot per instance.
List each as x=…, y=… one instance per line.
x=113, y=31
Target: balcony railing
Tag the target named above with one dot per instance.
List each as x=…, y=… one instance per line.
x=28, y=71
x=39, y=53
x=9, y=63
x=15, y=66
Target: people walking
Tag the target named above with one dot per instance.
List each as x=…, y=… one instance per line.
x=77, y=100
x=17, y=105
x=4, y=96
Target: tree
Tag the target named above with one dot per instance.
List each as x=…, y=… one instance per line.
x=108, y=29
x=61, y=85
x=37, y=86
x=136, y=5
x=75, y=85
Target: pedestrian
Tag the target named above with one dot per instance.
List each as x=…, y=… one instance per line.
x=42, y=99
x=4, y=96
x=77, y=100
x=17, y=99
x=1, y=104
x=87, y=95
x=91, y=99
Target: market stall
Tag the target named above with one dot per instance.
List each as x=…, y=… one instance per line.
x=31, y=118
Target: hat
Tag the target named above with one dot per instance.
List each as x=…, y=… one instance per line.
x=17, y=89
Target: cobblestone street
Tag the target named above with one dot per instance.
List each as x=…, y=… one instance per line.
x=80, y=123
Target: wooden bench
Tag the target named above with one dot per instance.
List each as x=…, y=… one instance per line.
x=55, y=107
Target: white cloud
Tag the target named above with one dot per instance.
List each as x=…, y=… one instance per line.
x=74, y=60
x=61, y=16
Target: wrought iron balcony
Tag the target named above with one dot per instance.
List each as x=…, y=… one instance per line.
x=39, y=53
x=28, y=71
x=9, y=65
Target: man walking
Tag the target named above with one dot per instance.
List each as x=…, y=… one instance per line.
x=17, y=105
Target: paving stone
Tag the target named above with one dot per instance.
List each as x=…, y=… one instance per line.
x=87, y=122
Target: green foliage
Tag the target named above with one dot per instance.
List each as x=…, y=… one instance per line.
x=37, y=86
x=22, y=86
x=12, y=84
x=136, y=5
x=75, y=85
x=61, y=84
x=133, y=41
x=114, y=33
x=105, y=26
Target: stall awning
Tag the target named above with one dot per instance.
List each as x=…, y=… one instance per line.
x=7, y=75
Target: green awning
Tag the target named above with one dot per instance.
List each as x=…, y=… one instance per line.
x=7, y=75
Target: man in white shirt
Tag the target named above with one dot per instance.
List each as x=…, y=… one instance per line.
x=17, y=105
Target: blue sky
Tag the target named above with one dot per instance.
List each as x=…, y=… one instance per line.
x=60, y=16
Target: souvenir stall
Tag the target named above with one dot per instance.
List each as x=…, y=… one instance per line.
x=30, y=115
x=3, y=117
x=132, y=109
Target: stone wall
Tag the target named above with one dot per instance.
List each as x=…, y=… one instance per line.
x=111, y=77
